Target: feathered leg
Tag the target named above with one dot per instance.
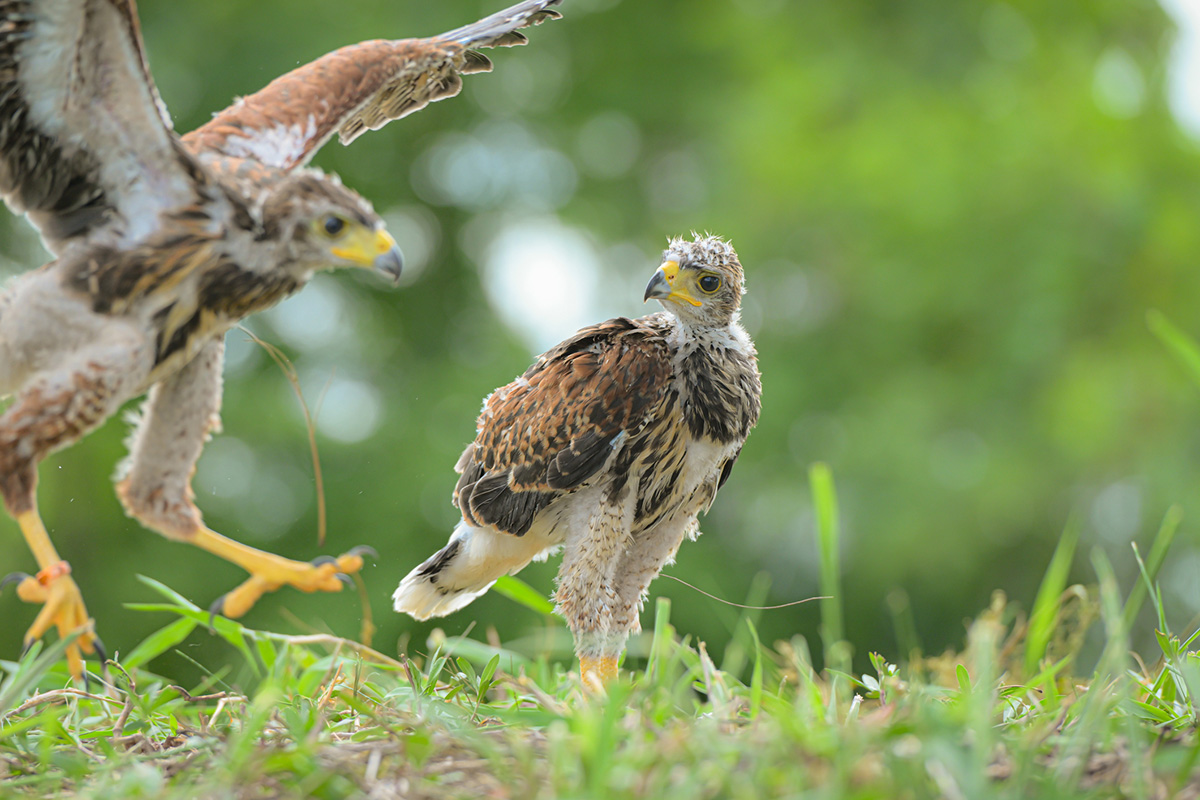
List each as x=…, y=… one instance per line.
x=178, y=417
x=587, y=592
x=640, y=564
x=54, y=409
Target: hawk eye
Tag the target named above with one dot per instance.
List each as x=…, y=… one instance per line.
x=333, y=225
x=709, y=284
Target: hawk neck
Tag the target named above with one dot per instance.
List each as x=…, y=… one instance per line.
x=717, y=371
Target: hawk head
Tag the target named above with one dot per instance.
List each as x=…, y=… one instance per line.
x=321, y=224
x=700, y=281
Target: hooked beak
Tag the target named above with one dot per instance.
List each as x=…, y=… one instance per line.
x=374, y=249
x=390, y=262
x=662, y=285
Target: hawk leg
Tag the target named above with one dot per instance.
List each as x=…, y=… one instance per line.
x=269, y=572
x=601, y=670
x=59, y=596
x=608, y=581
x=53, y=410
x=650, y=551
x=587, y=597
x=177, y=418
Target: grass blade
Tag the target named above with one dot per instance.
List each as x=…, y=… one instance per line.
x=159, y=642
x=1045, y=606
x=1154, y=561
x=756, y=675
x=169, y=593
x=661, y=642
x=1179, y=343
x=31, y=669
x=824, y=497
x=523, y=594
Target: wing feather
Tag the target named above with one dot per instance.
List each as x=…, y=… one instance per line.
x=358, y=88
x=86, y=149
x=555, y=428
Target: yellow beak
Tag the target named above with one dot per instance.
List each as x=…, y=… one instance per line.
x=663, y=286
x=373, y=249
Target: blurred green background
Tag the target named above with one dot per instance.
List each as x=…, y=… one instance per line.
x=954, y=217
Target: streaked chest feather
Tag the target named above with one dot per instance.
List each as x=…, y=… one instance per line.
x=187, y=292
x=717, y=379
x=700, y=430
x=684, y=475
x=224, y=295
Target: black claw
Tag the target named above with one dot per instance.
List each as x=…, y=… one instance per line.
x=213, y=610
x=321, y=561
x=13, y=577
x=344, y=578
x=102, y=654
x=363, y=549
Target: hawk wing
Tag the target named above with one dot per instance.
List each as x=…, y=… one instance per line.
x=86, y=147
x=358, y=88
x=551, y=430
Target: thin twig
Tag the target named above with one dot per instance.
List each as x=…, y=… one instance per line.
x=337, y=641
x=57, y=695
x=199, y=697
x=127, y=709
x=739, y=605
x=289, y=371
x=332, y=678
x=222, y=704
x=366, y=631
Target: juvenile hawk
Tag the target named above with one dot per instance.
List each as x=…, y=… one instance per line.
x=610, y=445
x=162, y=243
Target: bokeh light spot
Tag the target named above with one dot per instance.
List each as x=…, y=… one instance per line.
x=350, y=410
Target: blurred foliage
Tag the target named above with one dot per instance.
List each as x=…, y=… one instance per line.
x=954, y=218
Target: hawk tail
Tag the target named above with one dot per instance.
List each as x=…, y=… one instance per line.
x=462, y=570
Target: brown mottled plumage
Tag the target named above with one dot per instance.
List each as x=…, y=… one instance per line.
x=610, y=445
x=359, y=88
x=163, y=243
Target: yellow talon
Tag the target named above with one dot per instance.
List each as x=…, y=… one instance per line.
x=58, y=594
x=269, y=572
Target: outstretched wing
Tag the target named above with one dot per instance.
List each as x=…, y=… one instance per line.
x=86, y=149
x=358, y=88
x=551, y=430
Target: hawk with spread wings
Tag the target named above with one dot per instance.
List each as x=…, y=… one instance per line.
x=163, y=242
x=609, y=446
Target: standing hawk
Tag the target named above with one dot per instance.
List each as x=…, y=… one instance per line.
x=610, y=446
x=163, y=242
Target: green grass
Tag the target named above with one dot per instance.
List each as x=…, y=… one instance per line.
x=1017, y=713
x=1013, y=715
